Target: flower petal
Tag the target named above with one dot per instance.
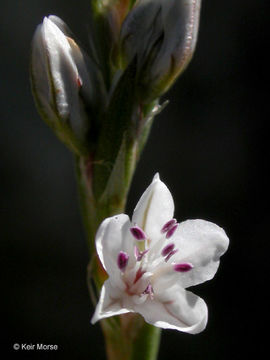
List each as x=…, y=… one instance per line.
x=200, y=243
x=62, y=66
x=176, y=309
x=109, y=304
x=154, y=209
x=112, y=237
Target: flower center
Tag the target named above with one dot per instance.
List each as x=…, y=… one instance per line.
x=150, y=263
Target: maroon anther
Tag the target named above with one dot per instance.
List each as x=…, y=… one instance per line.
x=171, y=231
x=149, y=291
x=167, y=249
x=184, y=267
x=168, y=226
x=138, y=233
x=122, y=260
x=170, y=254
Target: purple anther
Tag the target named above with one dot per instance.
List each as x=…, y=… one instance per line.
x=184, y=267
x=138, y=233
x=167, y=249
x=171, y=254
x=149, y=291
x=171, y=231
x=139, y=254
x=122, y=260
x=168, y=226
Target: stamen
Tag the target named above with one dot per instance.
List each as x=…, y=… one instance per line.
x=167, y=249
x=138, y=233
x=184, y=267
x=171, y=254
x=168, y=226
x=139, y=254
x=122, y=260
x=149, y=291
x=171, y=231
x=138, y=275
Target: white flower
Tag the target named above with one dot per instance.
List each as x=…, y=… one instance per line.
x=153, y=259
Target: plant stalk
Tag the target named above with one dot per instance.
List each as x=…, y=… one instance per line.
x=127, y=337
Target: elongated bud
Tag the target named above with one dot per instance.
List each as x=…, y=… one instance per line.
x=60, y=82
x=162, y=35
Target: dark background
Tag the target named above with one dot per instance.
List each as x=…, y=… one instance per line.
x=210, y=146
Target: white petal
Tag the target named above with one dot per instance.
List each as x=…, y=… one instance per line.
x=176, y=309
x=109, y=304
x=62, y=66
x=200, y=243
x=40, y=75
x=154, y=209
x=92, y=89
x=112, y=237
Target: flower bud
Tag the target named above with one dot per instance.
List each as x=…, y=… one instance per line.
x=162, y=35
x=60, y=82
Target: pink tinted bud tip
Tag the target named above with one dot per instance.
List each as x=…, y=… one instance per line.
x=122, y=260
x=138, y=233
x=79, y=82
x=184, y=267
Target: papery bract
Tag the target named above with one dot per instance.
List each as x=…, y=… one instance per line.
x=149, y=274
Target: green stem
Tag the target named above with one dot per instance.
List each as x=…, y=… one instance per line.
x=127, y=336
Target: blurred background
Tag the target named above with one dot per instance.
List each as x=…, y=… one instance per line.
x=210, y=146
